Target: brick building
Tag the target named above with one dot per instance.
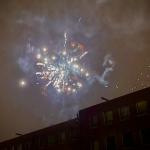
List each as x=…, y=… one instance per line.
x=64, y=136
x=120, y=124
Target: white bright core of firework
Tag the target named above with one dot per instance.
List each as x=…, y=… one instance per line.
x=62, y=70
x=38, y=56
x=44, y=49
x=22, y=83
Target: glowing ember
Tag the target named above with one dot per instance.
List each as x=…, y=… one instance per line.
x=22, y=83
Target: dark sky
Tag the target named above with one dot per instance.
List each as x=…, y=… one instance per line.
x=119, y=29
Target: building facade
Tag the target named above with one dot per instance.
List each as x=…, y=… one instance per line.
x=64, y=136
x=119, y=124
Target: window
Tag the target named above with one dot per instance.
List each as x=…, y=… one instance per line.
x=141, y=107
x=94, y=120
x=95, y=145
x=145, y=135
x=108, y=117
x=12, y=148
x=124, y=113
x=111, y=145
x=27, y=145
x=128, y=139
x=62, y=137
x=51, y=139
x=19, y=147
x=43, y=141
x=35, y=142
x=74, y=132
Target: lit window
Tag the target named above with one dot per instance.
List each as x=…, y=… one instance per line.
x=128, y=139
x=108, y=117
x=95, y=145
x=145, y=135
x=124, y=113
x=141, y=107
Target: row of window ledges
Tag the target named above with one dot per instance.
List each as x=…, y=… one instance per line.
x=111, y=144
x=45, y=141
x=128, y=140
x=124, y=113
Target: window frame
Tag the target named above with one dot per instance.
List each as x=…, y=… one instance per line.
x=105, y=117
x=121, y=116
x=94, y=120
x=128, y=146
x=115, y=143
x=93, y=142
x=141, y=137
x=139, y=110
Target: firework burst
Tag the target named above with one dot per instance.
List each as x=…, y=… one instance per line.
x=62, y=70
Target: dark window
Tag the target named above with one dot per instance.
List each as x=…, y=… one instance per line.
x=94, y=121
x=142, y=107
x=43, y=140
x=74, y=133
x=13, y=147
x=35, y=142
x=108, y=117
x=128, y=139
x=124, y=113
x=111, y=145
x=62, y=137
x=27, y=145
x=51, y=139
x=145, y=135
x=19, y=147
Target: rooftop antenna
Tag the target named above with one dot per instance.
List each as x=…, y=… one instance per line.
x=105, y=99
x=19, y=134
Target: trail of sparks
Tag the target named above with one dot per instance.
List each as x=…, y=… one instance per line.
x=62, y=70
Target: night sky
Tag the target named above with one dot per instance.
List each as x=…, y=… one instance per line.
x=115, y=32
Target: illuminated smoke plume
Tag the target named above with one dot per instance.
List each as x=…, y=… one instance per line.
x=61, y=65
x=108, y=66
